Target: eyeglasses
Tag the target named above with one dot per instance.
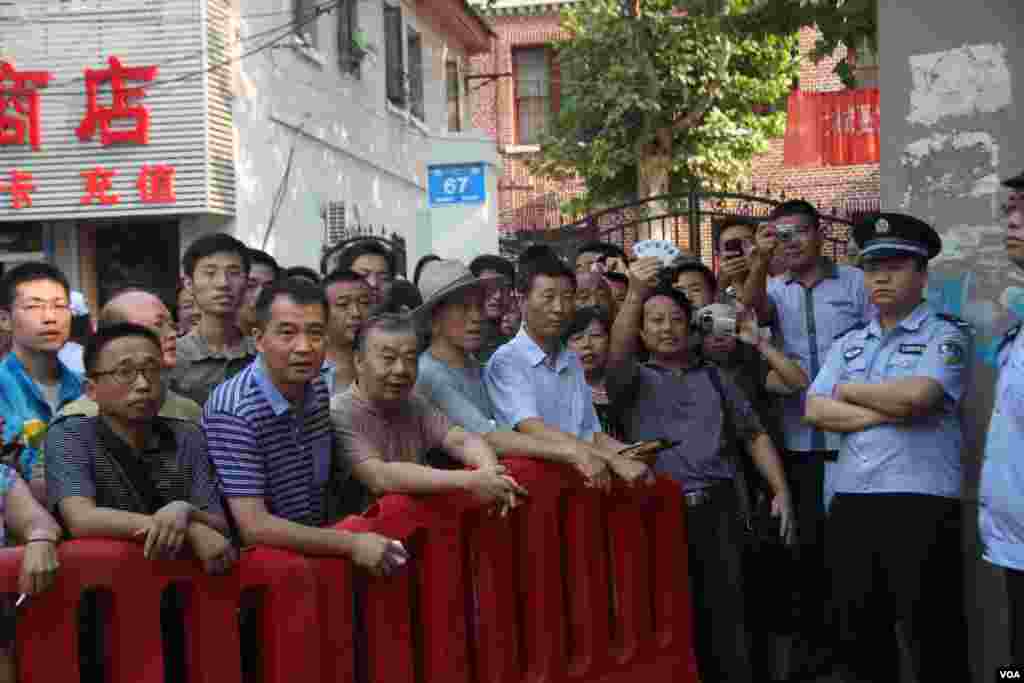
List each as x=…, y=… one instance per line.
x=127, y=374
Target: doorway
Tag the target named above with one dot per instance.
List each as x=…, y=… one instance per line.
x=137, y=253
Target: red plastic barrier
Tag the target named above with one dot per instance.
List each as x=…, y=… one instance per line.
x=573, y=586
x=47, y=626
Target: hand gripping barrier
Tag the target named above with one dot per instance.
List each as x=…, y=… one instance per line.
x=573, y=586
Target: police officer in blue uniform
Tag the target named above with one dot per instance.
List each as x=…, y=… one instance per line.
x=892, y=387
x=1001, y=496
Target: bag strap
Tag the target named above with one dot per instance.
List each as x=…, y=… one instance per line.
x=734, y=448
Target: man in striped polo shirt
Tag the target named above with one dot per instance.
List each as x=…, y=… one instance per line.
x=269, y=434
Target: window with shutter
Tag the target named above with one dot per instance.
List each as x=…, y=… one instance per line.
x=306, y=21
x=451, y=75
x=415, y=50
x=349, y=54
x=394, y=66
x=533, y=93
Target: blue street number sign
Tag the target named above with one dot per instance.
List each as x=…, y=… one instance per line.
x=456, y=184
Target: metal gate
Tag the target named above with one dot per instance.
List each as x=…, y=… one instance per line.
x=684, y=219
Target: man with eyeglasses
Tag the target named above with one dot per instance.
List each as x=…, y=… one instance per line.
x=809, y=305
x=130, y=474
x=35, y=308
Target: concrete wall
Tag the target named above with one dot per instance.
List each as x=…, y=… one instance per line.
x=952, y=83
x=350, y=144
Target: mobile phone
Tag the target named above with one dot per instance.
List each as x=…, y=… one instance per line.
x=733, y=247
x=648, y=451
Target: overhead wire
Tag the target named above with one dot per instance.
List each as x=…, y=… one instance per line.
x=283, y=32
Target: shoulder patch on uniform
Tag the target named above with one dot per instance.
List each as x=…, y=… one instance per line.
x=848, y=330
x=1008, y=338
x=959, y=322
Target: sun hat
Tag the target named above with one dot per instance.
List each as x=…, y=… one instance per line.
x=440, y=280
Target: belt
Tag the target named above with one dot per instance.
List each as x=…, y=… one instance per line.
x=705, y=495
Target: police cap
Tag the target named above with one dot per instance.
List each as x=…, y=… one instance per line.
x=890, y=235
x=1016, y=182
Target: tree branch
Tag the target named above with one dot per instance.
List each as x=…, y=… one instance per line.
x=692, y=117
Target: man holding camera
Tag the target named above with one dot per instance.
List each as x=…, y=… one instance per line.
x=809, y=305
x=667, y=398
x=892, y=386
x=734, y=241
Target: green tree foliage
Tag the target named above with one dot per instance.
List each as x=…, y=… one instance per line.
x=839, y=23
x=672, y=93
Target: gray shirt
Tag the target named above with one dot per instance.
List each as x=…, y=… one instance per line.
x=809, y=320
x=459, y=393
x=200, y=370
x=658, y=403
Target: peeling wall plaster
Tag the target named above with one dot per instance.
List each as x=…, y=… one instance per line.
x=954, y=164
x=960, y=82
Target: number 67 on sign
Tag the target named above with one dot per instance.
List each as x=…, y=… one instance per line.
x=451, y=184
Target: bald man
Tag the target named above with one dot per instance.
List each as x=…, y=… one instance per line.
x=145, y=308
x=141, y=308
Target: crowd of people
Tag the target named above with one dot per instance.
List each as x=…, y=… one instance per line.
x=809, y=412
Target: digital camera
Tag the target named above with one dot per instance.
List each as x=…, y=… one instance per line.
x=717, y=325
x=785, y=233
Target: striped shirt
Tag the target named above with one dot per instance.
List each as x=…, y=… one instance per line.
x=263, y=449
x=86, y=458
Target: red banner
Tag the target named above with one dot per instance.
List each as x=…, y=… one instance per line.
x=832, y=128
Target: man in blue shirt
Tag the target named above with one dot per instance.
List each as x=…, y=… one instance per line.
x=35, y=305
x=536, y=385
x=1001, y=497
x=808, y=305
x=455, y=311
x=892, y=388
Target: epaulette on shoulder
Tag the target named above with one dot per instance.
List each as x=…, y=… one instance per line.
x=1008, y=338
x=959, y=322
x=848, y=330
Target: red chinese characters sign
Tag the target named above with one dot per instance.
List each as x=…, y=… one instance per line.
x=121, y=121
x=119, y=109
x=833, y=128
x=19, y=105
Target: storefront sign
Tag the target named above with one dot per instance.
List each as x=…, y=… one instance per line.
x=138, y=132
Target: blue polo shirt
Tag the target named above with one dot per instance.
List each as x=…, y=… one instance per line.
x=524, y=382
x=1001, y=495
x=264, y=448
x=808, y=320
x=22, y=401
x=920, y=455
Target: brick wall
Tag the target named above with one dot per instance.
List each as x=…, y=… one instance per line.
x=526, y=202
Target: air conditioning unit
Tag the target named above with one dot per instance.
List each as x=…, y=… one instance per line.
x=335, y=223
